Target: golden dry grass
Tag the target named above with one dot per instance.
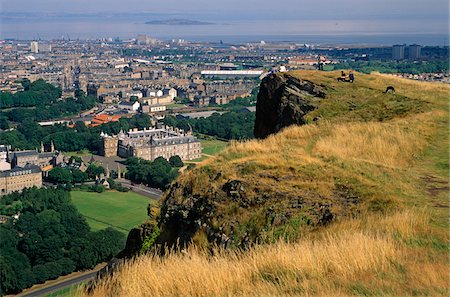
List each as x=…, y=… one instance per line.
x=426, y=91
x=393, y=144
x=328, y=263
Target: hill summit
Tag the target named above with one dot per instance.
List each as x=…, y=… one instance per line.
x=352, y=177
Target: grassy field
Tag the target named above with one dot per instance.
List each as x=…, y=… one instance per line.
x=213, y=146
x=121, y=211
x=82, y=153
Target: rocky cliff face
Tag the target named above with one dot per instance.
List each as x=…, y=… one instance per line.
x=283, y=100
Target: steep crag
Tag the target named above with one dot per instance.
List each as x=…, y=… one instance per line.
x=283, y=100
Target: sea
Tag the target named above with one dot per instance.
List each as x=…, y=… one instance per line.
x=33, y=27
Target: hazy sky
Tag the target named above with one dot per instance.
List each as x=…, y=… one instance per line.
x=305, y=16
x=423, y=9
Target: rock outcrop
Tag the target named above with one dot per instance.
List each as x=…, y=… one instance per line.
x=284, y=100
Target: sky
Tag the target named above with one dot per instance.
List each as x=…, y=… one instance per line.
x=326, y=8
x=308, y=16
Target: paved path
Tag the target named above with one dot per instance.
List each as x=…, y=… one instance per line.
x=141, y=189
x=61, y=285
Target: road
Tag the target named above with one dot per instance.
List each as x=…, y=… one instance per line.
x=141, y=189
x=61, y=285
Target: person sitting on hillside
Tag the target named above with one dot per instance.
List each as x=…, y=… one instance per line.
x=343, y=76
x=351, y=77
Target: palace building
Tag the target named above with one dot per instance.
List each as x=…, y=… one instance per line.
x=152, y=143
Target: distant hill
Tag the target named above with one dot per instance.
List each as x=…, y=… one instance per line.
x=347, y=194
x=178, y=22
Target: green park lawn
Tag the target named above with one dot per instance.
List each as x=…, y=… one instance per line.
x=213, y=146
x=82, y=153
x=122, y=211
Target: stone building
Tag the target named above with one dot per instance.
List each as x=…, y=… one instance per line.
x=25, y=172
x=151, y=143
x=33, y=157
x=19, y=178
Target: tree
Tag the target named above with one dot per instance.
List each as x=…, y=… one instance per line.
x=4, y=125
x=94, y=171
x=175, y=161
x=80, y=126
x=60, y=175
x=50, y=239
x=107, y=243
x=26, y=84
x=75, y=159
x=79, y=176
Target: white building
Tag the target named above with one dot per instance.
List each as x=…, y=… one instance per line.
x=34, y=46
x=130, y=106
x=157, y=100
x=172, y=93
x=137, y=94
x=154, y=93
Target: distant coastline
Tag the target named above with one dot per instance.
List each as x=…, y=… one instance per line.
x=178, y=22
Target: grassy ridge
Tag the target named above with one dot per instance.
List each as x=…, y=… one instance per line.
x=397, y=165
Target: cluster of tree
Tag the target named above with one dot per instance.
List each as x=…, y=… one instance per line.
x=240, y=103
x=434, y=66
x=29, y=134
x=114, y=185
x=4, y=124
x=69, y=175
x=230, y=125
x=66, y=175
x=57, y=109
x=48, y=239
x=38, y=93
x=41, y=101
x=157, y=174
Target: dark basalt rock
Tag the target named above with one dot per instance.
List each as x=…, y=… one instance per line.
x=284, y=100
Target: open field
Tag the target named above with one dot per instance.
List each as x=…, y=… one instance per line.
x=213, y=146
x=121, y=211
x=82, y=153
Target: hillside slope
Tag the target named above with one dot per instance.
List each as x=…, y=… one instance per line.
x=361, y=194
